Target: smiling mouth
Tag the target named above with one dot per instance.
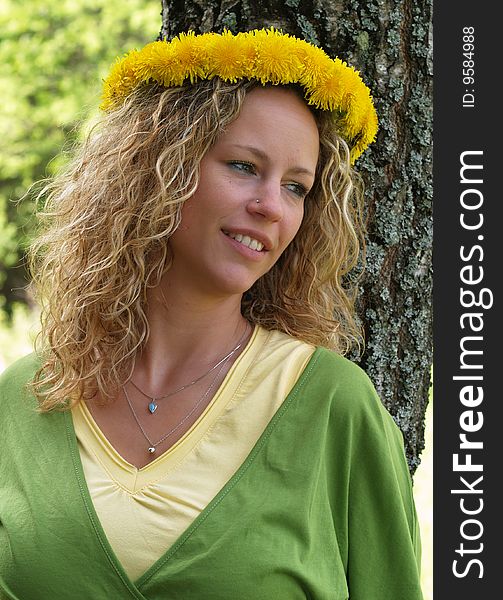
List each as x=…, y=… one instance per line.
x=246, y=240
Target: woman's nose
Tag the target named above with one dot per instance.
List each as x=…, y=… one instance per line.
x=268, y=202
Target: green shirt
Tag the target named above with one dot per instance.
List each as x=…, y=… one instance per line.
x=321, y=508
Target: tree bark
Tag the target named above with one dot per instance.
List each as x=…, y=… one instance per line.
x=389, y=42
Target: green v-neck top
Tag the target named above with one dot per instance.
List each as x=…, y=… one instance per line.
x=321, y=508
x=144, y=511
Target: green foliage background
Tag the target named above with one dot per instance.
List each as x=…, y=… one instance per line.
x=53, y=56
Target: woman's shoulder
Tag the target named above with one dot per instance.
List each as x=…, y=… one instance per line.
x=325, y=374
x=357, y=416
x=21, y=368
x=341, y=375
x=349, y=389
x=14, y=378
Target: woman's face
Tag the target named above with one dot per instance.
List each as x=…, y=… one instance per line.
x=227, y=240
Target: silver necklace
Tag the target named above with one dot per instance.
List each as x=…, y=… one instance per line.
x=152, y=405
x=153, y=445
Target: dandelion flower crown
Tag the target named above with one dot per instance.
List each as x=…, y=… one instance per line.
x=266, y=55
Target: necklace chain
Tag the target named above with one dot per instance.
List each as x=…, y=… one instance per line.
x=152, y=407
x=153, y=445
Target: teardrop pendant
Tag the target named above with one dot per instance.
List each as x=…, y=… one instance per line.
x=152, y=407
x=151, y=449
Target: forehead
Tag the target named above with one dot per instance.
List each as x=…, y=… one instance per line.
x=275, y=120
x=266, y=103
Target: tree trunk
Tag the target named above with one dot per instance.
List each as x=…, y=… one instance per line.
x=388, y=41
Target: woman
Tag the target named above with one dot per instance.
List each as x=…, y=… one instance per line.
x=198, y=432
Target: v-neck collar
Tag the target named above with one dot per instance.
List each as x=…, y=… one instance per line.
x=134, y=587
x=131, y=478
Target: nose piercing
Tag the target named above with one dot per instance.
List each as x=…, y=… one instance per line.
x=257, y=201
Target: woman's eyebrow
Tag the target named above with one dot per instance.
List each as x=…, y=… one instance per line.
x=263, y=156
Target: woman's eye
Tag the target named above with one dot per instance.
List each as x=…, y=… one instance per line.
x=245, y=167
x=298, y=189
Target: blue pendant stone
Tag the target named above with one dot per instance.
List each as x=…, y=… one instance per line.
x=152, y=407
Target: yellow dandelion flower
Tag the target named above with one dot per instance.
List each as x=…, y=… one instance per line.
x=249, y=50
x=315, y=63
x=329, y=89
x=361, y=145
x=121, y=80
x=154, y=63
x=355, y=153
x=187, y=62
x=228, y=54
x=277, y=60
x=367, y=133
x=202, y=52
x=355, y=104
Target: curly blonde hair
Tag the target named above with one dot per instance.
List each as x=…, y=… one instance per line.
x=108, y=217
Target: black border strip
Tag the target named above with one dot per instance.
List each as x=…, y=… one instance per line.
x=467, y=292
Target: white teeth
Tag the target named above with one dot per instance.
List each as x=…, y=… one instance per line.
x=247, y=241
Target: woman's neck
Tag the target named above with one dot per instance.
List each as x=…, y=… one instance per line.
x=188, y=334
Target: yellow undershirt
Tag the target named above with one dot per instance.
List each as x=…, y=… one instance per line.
x=144, y=511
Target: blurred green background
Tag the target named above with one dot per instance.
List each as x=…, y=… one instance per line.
x=54, y=54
